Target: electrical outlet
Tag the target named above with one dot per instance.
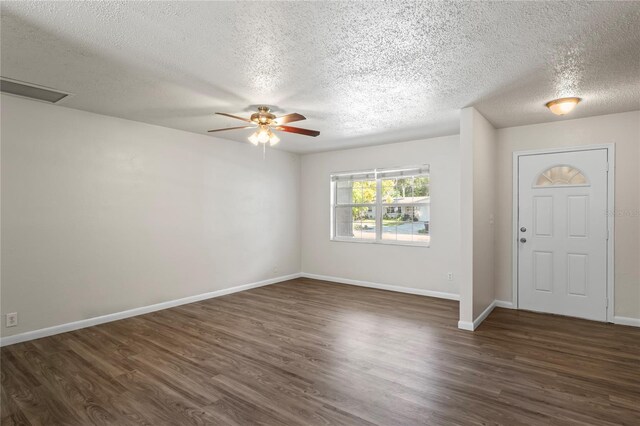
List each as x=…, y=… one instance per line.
x=450, y=276
x=12, y=319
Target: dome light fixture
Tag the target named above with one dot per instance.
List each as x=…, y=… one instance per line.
x=562, y=106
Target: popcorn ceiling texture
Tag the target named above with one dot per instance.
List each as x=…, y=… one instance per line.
x=362, y=72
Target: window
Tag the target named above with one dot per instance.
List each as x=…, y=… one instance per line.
x=561, y=176
x=381, y=205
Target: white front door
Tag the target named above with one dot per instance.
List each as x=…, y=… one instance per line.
x=562, y=233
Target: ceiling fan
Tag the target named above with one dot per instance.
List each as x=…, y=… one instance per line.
x=265, y=123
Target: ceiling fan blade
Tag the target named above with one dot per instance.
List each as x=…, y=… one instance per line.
x=231, y=128
x=298, y=130
x=234, y=116
x=289, y=118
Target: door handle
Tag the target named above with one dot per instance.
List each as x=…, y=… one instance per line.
x=523, y=229
x=523, y=240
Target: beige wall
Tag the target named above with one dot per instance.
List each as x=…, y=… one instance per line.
x=466, y=220
x=477, y=194
x=484, y=204
x=101, y=215
x=414, y=267
x=621, y=129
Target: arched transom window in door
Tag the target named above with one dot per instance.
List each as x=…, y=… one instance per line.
x=563, y=175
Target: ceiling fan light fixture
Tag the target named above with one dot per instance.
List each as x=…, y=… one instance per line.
x=263, y=136
x=264, y=123
x=562, y=106
x=254, y=138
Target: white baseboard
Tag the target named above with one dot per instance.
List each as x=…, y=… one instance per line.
x=504, y=304
x=634, y=322
x=470, y=326
x=409, y=290
x=63, y=328
x=484, y=315
x=465, y=325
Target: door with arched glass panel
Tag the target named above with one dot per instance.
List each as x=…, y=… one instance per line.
x=562, y=233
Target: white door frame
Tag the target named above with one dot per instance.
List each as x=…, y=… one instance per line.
x=610, y=217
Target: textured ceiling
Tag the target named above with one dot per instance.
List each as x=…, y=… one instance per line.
x=362, y=72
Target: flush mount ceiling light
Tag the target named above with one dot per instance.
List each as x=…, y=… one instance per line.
x=266, y=123
x=562, y=106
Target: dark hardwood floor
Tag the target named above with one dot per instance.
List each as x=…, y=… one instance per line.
x=306, y=352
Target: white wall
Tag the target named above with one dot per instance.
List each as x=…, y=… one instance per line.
x=478, y=201
x=623, y=130
x=413, y=267
x=101, y=215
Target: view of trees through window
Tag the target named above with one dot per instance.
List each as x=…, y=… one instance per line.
x=404, y=207
x=364, y=192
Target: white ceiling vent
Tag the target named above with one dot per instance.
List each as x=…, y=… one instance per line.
x=31, y=91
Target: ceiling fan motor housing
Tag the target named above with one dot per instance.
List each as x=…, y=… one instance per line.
x=263, y=116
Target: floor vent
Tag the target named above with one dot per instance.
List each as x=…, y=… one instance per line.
x=31, y=91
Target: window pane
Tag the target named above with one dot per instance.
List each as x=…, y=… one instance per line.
x=561, y=175
x=414, y=189
x=406, y=223
x=344, y=192
x=355, y=222
x=408, y=213
x=398, y=230
x=356, y=192
x=421, y=232
x=421, y=186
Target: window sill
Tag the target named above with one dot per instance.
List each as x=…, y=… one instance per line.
x=383, y=243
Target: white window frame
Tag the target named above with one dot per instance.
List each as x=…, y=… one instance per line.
x=378, y=175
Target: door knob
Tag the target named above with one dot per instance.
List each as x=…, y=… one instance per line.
x=523, y=229
x=523, y=240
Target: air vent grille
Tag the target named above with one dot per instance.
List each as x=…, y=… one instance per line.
x=31, y=91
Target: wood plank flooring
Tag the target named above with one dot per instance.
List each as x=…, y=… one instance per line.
x=307, y=352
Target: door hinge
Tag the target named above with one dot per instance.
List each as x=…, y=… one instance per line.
x=607, y=302
x=607, y=166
